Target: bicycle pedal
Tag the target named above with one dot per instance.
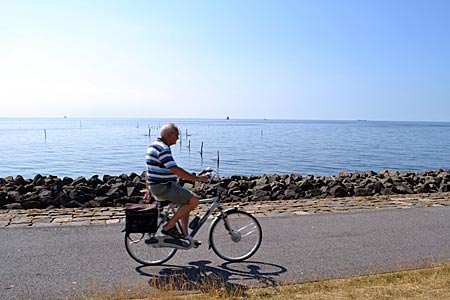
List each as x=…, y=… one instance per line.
x=197, y=243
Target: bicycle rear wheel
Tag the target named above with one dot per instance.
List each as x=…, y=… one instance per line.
x=143, y=252
x=240, y=241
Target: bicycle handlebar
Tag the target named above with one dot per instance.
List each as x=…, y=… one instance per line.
x=211, y=173
x=206, y=171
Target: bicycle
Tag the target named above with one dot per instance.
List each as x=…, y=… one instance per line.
x=234, y=235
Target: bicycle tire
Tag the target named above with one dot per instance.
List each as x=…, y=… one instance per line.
x=144, y=253
x=243, y=243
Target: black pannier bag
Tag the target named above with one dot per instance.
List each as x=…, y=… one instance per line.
x=140, y=218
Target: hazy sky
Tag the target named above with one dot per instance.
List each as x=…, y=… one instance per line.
x=337, y=59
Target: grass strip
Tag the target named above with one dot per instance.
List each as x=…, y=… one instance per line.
x=424, y=284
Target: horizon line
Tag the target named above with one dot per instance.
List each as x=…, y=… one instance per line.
x=227, y=119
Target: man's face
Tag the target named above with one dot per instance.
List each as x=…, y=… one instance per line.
x=172, y=138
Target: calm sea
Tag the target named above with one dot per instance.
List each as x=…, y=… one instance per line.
x=86, y=147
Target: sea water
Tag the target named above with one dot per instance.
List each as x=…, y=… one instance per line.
x=86, y=147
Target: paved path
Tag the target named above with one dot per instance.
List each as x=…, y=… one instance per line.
x=54, y=262
x=105, y=215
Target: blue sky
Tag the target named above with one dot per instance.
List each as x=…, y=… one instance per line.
x=333, y=60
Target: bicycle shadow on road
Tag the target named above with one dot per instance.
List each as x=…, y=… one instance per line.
x=234, y=278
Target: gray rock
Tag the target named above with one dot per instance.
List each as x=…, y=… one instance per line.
x=94, y=181
x=305, y=185
x=104, y=201
x=362, y=191
x=290, y=193
x=38, y=180
x=79, y=180
x=260, y=195
x=444, y=188
x=13, y=196
x=3, y=199
x=45, y=194
x=67, y=180
x=74, y=204
x=13, y=206
x=92, y=203
x=263, y=180
x=20, y=180
x=263, y=187
x=338, y=191
x=133, y=191
x=387, y=191
x=32, y=204
x=103, y=189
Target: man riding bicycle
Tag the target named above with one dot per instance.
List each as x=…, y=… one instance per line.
x=162, y=173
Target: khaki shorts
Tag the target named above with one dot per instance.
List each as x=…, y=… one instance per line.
x=171, y=192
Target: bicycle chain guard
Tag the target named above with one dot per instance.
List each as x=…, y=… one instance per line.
x=170, y=242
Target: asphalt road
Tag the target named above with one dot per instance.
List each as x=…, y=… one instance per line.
x=47, y=263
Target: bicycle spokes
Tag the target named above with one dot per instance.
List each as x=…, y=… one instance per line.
x=238, y=238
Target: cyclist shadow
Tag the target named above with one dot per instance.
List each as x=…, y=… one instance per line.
x=234, y=278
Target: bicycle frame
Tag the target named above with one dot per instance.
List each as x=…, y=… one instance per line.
x=215, y=204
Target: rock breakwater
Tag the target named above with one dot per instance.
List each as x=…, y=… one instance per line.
x=114, y=191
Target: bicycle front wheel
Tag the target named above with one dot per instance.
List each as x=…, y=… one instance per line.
x=139, y=248
x=238, y=242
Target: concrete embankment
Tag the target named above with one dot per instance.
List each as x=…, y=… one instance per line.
x=114, y=191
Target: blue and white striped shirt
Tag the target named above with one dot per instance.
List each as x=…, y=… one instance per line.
x=159, y=160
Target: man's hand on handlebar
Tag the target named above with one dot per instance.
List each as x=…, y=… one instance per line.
x=205, y=175
x=203, y=178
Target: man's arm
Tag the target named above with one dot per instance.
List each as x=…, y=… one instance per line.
x=180, y=172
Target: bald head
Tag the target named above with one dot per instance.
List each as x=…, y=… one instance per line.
x=169, y=133
x=168, y=129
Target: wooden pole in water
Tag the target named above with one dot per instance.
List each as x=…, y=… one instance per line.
x=201, y=150
x=218, y=159
x=45, y=134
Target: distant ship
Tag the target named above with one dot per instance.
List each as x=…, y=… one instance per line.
x=228, y=118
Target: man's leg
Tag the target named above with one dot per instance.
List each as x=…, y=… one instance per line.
x=182, y=214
